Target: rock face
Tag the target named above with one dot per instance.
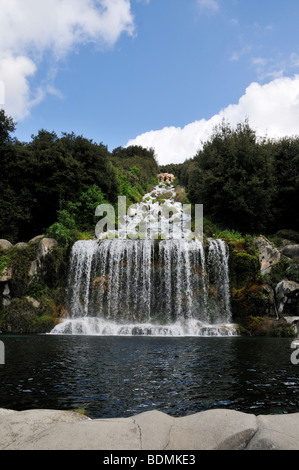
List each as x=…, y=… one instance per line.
x=208, y=430
x=22, y=312
x=269, y=255
x=46, y=245
x=286, y=292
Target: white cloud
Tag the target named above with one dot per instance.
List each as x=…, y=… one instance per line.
x=31, y=28
x=271, y=109
x=209, y=4
x=15, y=73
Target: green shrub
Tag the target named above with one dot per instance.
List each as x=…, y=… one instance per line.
x=135, y=171
x=229, y=235
x=244, y=268
x=61, y=233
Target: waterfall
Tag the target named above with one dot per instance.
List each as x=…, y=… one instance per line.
x=171, y=287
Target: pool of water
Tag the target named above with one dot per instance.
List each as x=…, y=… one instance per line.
x=123, y=376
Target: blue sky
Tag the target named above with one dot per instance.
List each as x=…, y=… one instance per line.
x=158, y=73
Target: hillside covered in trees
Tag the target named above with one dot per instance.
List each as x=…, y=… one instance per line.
x=245, y=183
x=55, y=183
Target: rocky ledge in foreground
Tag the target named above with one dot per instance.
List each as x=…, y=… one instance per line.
x=208, y=430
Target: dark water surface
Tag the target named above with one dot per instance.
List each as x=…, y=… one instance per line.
x=123, y=376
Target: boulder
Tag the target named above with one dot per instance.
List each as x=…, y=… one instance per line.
x=46, y=245
x=269, y=255
x=290, y=251
x=286, y=292
x=5, y=245
x=36, y=239
x=21, y=245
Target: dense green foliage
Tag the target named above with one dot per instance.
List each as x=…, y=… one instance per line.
x=245, y=183
x=133, y=177
x=58, y=182
x=53, y=184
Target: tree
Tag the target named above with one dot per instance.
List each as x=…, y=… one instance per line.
x=126, y=159
x=39, y=176
x=7, y=126
x=286, y=166
x=233, y=178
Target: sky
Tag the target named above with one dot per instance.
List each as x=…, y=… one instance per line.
x=156, y=73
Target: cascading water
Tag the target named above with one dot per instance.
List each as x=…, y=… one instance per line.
x=170, y=287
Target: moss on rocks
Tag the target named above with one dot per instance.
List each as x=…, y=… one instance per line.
x=36, y=299
x=247, y=292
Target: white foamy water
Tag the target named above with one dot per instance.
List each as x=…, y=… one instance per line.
x=91, y=326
